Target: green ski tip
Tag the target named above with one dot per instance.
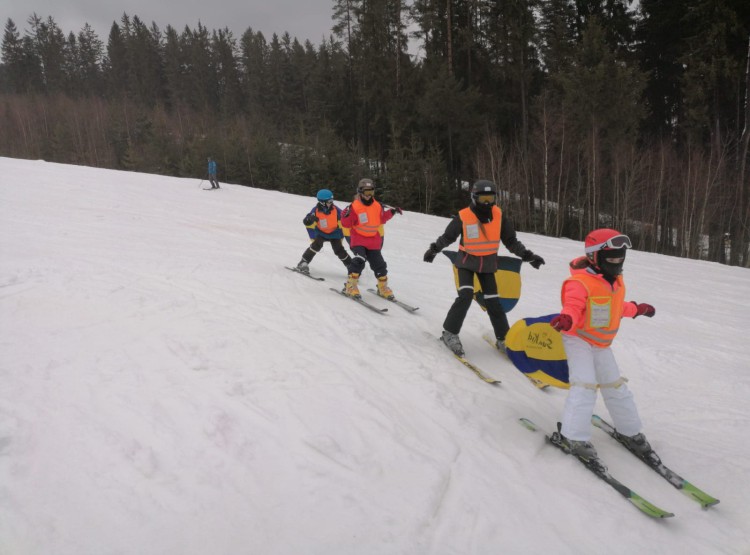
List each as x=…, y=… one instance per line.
x=528, y=424
x=698, y=495
x=648, y=508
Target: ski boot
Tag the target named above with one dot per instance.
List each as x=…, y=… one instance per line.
x=303, y=267
x=640, y=446
x=351, y=289
x=383, y=289
x=581, y=449
x=453, y=343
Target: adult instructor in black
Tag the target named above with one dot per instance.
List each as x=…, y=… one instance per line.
x=481, y=229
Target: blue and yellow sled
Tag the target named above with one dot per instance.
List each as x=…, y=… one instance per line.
x=536, y=349
x=507, y=276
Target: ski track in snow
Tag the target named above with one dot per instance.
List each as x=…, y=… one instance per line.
x=169, y=388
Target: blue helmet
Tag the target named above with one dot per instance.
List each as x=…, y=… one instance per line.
x=324, y=195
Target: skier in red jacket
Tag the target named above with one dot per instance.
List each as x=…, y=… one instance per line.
x=365, y=217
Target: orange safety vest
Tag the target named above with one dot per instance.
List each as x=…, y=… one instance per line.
x=327, y=223
x=368, y=218
x=604, y=306
x=480, y=239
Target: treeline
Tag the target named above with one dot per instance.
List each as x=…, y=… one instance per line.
x=586, y=112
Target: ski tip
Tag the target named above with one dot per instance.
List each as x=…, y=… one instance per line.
x=706, y=501
x=528, y=424
x=649, y=508
x=540, y=385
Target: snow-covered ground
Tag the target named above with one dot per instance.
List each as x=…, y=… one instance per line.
x=167, y=387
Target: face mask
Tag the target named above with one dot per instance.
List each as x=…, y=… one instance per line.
x=610, y=262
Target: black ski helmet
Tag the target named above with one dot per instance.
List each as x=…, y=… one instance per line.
x=480, y=188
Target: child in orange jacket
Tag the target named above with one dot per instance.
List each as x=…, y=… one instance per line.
x=365, y=217
x=593, y=303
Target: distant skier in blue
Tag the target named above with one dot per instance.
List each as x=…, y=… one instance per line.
x=212, y=174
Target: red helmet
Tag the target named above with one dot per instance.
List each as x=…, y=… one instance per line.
x=613, y=243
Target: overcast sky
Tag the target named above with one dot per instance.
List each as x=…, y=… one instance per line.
x=304, y=19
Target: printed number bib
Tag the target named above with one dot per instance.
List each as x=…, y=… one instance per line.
x=323, y=223
x=472, y=231
x=363, y=218
x=600, y=312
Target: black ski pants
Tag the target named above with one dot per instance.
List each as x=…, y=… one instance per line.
x=457, y=313
x=336, y=245
x=372, y=256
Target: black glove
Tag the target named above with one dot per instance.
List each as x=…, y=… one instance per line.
x=310, y=219
x=534, y=259
x=396, y=210
x=345, y=212
x=431, y=253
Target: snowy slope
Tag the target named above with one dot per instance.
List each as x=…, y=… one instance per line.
x=166, y=387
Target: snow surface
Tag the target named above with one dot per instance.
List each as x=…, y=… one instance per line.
x=167, y=387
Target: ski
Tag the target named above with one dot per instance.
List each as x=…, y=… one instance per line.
x=296, y=271
x=481, y=375
x=669, y=475
x=493, y=343
x=598, y=468
x=361, y=301
x=403, y=305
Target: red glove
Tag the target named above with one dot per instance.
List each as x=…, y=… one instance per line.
x=562, y=322
x=644, y=309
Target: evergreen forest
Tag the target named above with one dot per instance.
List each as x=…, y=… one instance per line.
x=586, y=113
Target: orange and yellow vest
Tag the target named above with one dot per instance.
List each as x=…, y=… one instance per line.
x=604, y=306
x=480, y=239
x=368, y=218
x=327, y=223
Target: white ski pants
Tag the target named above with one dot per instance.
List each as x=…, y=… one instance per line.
x=589, y=366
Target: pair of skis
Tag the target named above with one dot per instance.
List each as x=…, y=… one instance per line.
x=306, y=274
x=493, y=343
x=482, y=375
x=360, y=300
x=470, y=365
x=596, y=466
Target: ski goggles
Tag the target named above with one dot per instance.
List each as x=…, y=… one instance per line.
x=328, y=202
x=368, y=193
x=616, y=242
x=485, y=199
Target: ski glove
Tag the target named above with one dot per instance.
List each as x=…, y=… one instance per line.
x=534, y=259
x=562, y=322
x=310, y=219
x=396, y=210
x=431, y=253
x=346, y=210
x=644, y=309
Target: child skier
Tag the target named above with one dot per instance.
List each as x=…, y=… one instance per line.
x=323, y=224
x=365, y=217
x=593, y=303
